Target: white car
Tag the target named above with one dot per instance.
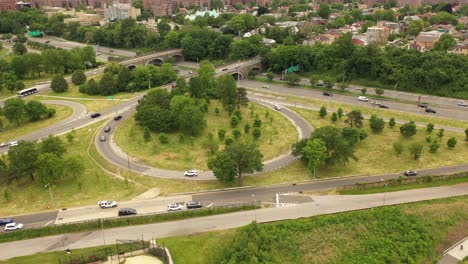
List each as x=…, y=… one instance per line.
x=174, y=207
x=462, y=103
x=277, y=107
x=363, y=99
x=191, y=173
x=13, y=143
x=265, y=86
x=107, y=204
x=13, y=226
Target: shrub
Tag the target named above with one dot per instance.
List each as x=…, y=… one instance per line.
x=429, y=128
x=236, y=133
x=334, y=117
x=257, y=123
x=146, y=134
x=256, y=133
x=391, y=122
x=221, y=133
x=398, y=148
x=247, y=128
x=323, y=111
x=234, y=121
x=408, y=129
x=228, y=141
x=163, y=138
x=78, y=77
x=451, y=143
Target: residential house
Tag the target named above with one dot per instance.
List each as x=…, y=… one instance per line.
x=377, y=34
x=426, y=40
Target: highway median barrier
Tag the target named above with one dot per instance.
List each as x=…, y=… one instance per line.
x=113, y=222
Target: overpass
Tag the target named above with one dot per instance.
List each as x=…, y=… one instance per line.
x=157, y=58
x=241, y=69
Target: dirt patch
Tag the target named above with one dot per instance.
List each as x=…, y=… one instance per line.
x=454, y=235
x=142, y=260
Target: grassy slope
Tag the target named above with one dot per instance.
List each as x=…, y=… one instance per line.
x=276, y=139
x=353, y=237
x=92, y=186
x=11, y=131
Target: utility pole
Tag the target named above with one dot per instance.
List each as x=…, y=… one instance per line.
x=50, y=192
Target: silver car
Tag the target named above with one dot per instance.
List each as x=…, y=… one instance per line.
x=102, y=138
x=462, y=103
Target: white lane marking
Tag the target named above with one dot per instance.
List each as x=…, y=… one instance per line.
x=208, y=206
x=48, y=223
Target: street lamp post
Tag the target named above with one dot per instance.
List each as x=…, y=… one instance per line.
x=238, y=74
x=255, y=209
x=420, y=156
x=128, y=162
x=385, y=193
x=394, y=91
x=102, y=230
x=50, y=192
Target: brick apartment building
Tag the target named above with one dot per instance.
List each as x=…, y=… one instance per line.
x=168, y=7
x=7, y=5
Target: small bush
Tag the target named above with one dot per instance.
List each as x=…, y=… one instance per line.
x=163, y=138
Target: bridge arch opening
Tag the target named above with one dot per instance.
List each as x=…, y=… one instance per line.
x=236, y=76
x=178, y=58
x=157, y=62
x=256, y=70
x=131, y=67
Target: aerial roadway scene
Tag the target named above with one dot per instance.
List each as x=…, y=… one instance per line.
x=234, y=131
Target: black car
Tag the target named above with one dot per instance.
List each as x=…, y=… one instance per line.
x=107, y=129
x=127, y=211
x=118, y=117
x=327, y=94
x=95, y=115
x=430, y=110
x=383, y=106
x=410, y=173
x=193, y=205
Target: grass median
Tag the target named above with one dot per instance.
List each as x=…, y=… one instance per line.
x=118, y=222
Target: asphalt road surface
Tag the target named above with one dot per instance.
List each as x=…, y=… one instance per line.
x=320, y=205
x=458, y=113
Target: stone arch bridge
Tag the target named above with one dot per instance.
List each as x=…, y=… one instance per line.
x=158, y=58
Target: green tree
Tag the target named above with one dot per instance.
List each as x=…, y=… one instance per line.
x=445, y=42
x=398, y=148
x=14, y=110
x=429, y=128
x=50, y=168
x=364, y=91
x=247, y=128
x=191, y=120
x=354, y=118
x=195, y=87
x=242, y=99
x=223, y=167
x=107, y=84
x=256, y=133
x=339, y=113
x=53, y=144
x=23, y=159
x=123, y=79
x=227, y=90
x=451, y=143
x=334, y=117
x=392, y=122
x=70, y=137
x=292, y=79
x=376, y=124
x=416, y=150
x=236, y=133
x=415, y=27
x=466, y=135
x=270, y=76
x=323, y=111
x=221, y=133
x=78, y=77
x=234, y=121
x=324, y=10
x=74, y=166
x=434, y=146
x=379, y=91
x=315, y=154
x=342, y=86
x=408, y=129
x=440, y=134
x=59, y=84
x=35, y=110
x=19, y=49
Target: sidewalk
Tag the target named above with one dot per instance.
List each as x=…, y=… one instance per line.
x=455, y=253
x=321, y=205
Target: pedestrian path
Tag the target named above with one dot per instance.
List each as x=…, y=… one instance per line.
x=456, y=252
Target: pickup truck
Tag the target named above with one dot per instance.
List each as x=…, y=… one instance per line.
x=107, y=204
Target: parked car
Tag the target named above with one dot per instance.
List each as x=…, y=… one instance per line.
x=265, y=86
x=94, y=115
x=117, y=117
x=225, y=69
x=423, y=105
x=13, y=143
x=277, y=107
x=102, y=138
x=174, y=207
x=190, y=72
x=410, y=173
x=383, y=106
x=363, y=99
x=430, y=110
x=193, y=205
x=191, y=173
x=107, y=204
x=4, y=144
x=5, y=221
x=13, y=227
x=107, y=129
x=327, y=94
x=462, y=103
x=127, y=211
x=47, y=42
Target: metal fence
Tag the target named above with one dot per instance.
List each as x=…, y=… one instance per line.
x=400, y=181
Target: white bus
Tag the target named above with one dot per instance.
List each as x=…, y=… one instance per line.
x=26, y=92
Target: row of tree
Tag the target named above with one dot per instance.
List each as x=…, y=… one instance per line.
x=434, y=72
x=45, y=162
x=17, y=110
x=118, y=78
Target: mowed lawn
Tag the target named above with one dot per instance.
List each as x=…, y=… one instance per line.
x=11, y=131
x=375, y=154
x=92, y=186
x=277, y=135
x=418, y=232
